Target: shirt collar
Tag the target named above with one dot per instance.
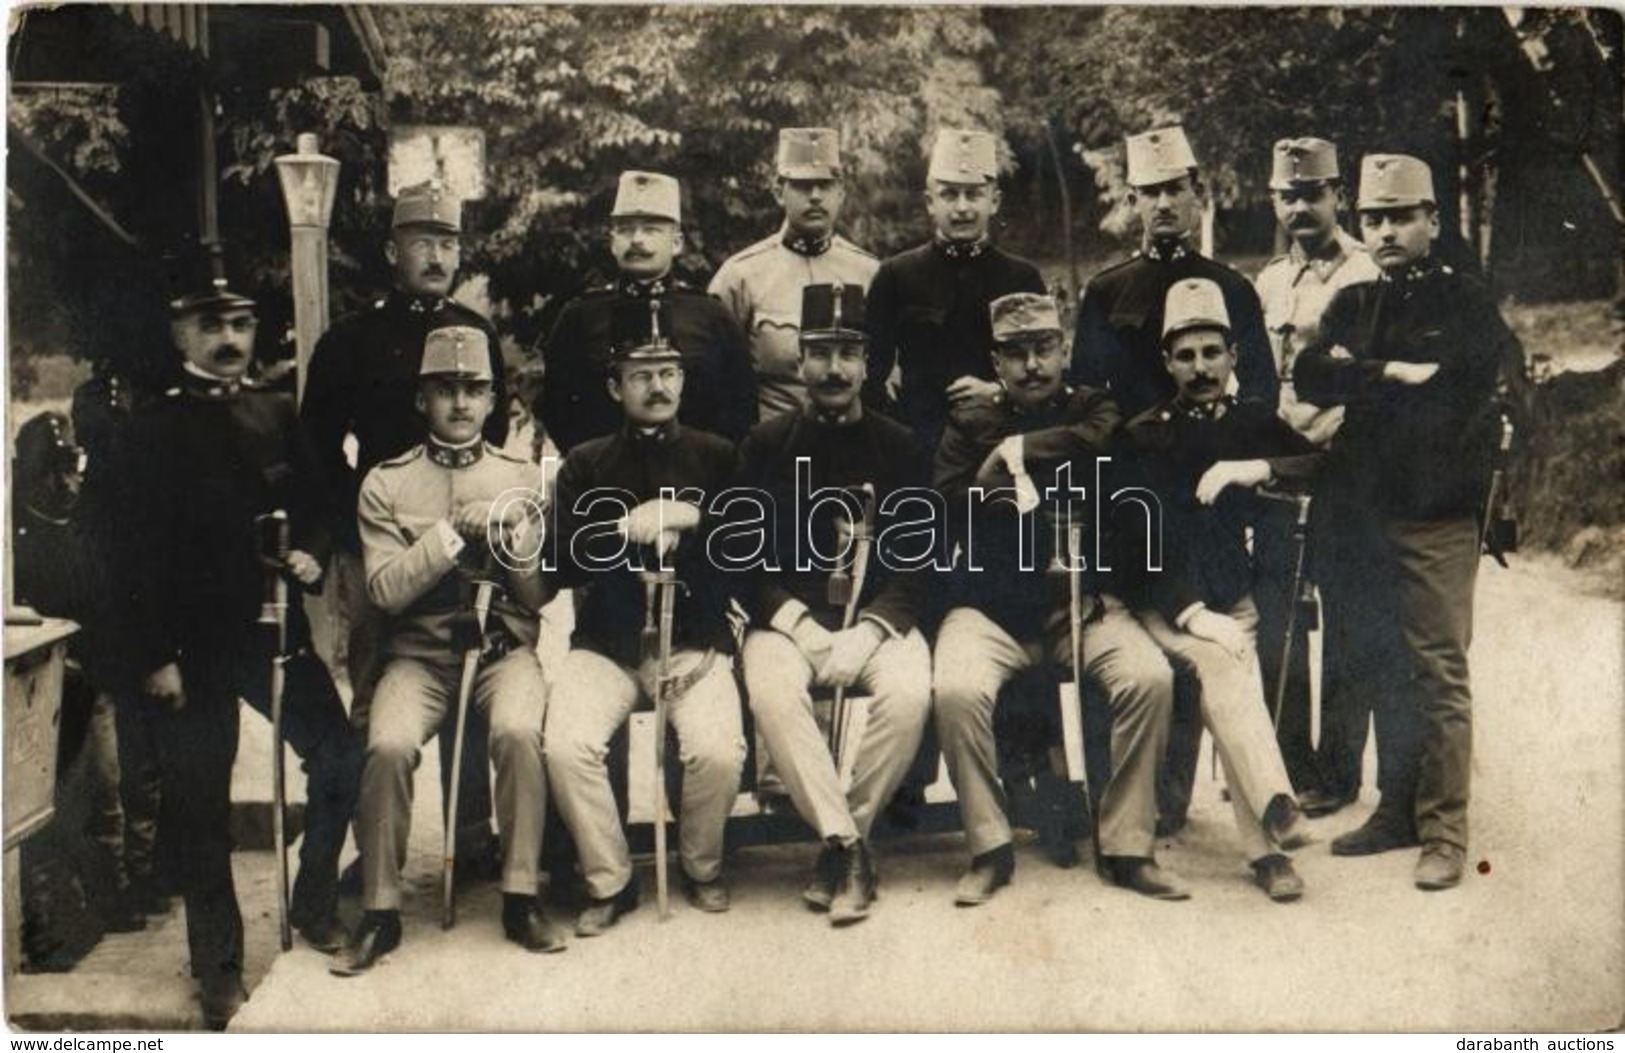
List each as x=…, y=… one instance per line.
x=659, y=435
x=200, y=384
x=448, y=456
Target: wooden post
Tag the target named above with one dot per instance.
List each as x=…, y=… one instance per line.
x=309, y=184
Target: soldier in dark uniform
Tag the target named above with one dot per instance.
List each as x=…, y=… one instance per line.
x=1415, y=357
x=196, y=471
x=422, y=516
x=1202, y=452
x=606, y=669
x=645, y=235
x=363, y=383
x=928, y=306
x=1005, y=617
x=797, y=639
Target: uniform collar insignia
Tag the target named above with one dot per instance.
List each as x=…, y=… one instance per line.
x=420, y=303
x=960, y=250
x=802, y=245
x=1204, y=410
x=1416, y=272
x=1168, y=251
x=641, y=290
x=447, y=456
x=660, y=435
x=200, y=385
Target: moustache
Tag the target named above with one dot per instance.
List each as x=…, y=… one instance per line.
x=657, y=400
x=833, y=385
x=637, y=254
x=434, y=270
x=227, y=354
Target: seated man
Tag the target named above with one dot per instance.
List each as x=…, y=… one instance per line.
x=799, y=638
x=424, y=516
x=1002, y=617
x=1201, y=452
x=655, y=474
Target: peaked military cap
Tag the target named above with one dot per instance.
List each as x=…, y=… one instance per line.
x=1159, y=156
x=428, y=205
x=1024, y=315
x=1302, y=162
x=461, y=350
x=832, y=311
x=201, y=277
x=1394, y=181
x=1194, y=303
x=638, y=332
x=648, y=194
x=809, y=153
x=960, y=156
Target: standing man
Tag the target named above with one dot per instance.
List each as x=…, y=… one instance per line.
x=1415, y=358
x=762, y=284
x=1004, y=617
x=446, y=506
x=645, y=236
x=1306, y=187
x=196, y=471
x=928, y=306
x=797, y=639
x=363, y=383
x=656, y=474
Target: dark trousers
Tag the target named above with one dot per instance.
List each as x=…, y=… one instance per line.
x=197, y=746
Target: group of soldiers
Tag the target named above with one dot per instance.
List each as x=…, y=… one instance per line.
x=843, y=391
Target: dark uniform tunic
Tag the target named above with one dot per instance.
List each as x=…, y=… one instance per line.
x=195, y=471
x=1419, y=459
x=1118, y=342
x=928, y=315
x=719, y=389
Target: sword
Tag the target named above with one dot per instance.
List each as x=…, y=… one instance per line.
x=484, y=590
x=660, y=585
x=1303, y=592
x=846, y=589
x=274, y=547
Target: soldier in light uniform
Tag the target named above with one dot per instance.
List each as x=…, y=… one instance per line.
x=797, y=640
x=449, y=503
x=645, y=236
x=762, y=284
x=654, y=472
x=1307, y=189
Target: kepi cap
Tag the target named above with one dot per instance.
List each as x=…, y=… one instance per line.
x=1159, y=156
x=1194, y=303
x=638, y=331
x=960, y=156
x=809, y=153
x=460, y=350
x=202, y=277
x=1023, y=316
x=1394, y=181
x=428, y=205
x=1302, y=162
x=648, y=194
x=832, y=311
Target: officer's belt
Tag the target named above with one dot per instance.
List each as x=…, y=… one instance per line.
x=682, y=682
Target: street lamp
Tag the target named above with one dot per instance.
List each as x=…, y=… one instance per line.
x=310, y=182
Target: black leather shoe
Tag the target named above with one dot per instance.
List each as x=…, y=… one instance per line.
x=524, y=923
x=377, y=935
x=144, y=895
x=988, y=873
x=222, y=995
x=1440, y=866
x=602, y=913
x=1145, y=877
x=1383, y=832
x=327, y=934
x=856, y=890
x=708, y=896
x=1274, y=874
x=1318, y=803
x=1284, y=823
x=820, y=888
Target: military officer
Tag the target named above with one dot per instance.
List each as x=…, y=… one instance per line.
x=928, y=306
x=195, y=471
x=798, y=640
x=363, y=383
x=1004, y=617
x=1202, y=453
x=645, y=236
x=1415, y=358
x=656, y=473
x=452, y=502
x=1306, y=187
x=761, y=285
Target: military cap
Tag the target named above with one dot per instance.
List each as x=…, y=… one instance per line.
x=809, y=153
x=1394, y=181
x=1302, y=162
x=1159, y=156
x=960, y=156
x=832, y=312
x=461, y=350
x=1194, y=303
x=201, y=277
x=428, y=205
x=1022, y=316
x=45, y=446
x=648, y=194
x=638, y=331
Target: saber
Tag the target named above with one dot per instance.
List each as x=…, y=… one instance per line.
x=1303, y=593
x=274, y=547
x=484, y=590
x=846, y=590
x=1500, y=530
x=662, y=585
x=1071, y=693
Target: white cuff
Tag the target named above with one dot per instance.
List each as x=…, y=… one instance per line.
x=451, y=542
x=1184, y=617
x=785, y=618
x=887, y=630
